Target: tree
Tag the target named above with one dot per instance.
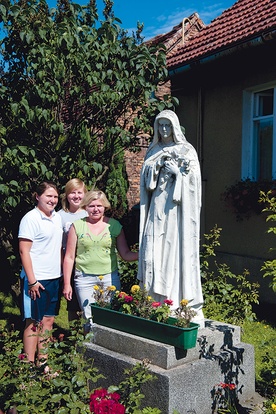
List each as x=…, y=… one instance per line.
x=75, y=92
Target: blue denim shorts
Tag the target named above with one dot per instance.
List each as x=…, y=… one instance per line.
x=47, y=305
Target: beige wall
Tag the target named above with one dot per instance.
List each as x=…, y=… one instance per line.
x=211, y=112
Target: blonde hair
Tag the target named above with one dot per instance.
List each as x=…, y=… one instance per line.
x=95, y=195
x=71, y=185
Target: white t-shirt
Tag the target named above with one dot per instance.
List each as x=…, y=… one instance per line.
x=46, y=235
x=67, y=220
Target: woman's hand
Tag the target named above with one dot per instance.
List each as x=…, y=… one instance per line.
x=34, y=290
x=67, y=292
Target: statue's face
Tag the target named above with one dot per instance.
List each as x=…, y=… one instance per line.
x=165, y=130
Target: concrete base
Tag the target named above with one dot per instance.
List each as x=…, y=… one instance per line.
x=185, y=379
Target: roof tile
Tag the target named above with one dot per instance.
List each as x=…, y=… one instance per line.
x=245, y=20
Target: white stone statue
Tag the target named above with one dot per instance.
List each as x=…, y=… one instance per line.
x=170, y=203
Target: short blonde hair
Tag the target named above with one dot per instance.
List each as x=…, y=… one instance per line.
x=95, y=195
x=71, y=185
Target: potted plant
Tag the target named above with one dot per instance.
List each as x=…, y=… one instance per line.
x=138, y=314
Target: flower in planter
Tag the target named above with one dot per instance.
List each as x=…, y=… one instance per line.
x=139, y=303
x=184, y=314
x=101, y=401
x=103, y=295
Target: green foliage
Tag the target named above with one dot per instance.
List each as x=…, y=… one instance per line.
x=269, y=267
x=228, y=297
x=75, y=92
x=263, y=337
x=270, y=406
x=130, y=388
x=62, y=385
x=267, y=383
x=128, y=272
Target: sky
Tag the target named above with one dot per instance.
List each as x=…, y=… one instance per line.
x=160, y=16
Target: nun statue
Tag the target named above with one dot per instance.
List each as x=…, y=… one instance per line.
x=170, y=203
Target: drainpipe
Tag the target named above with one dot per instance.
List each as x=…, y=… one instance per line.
x=199, y=142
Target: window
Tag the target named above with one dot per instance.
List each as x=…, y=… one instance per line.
x=259, y=134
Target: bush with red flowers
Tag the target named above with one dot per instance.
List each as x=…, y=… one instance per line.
x=101, y=402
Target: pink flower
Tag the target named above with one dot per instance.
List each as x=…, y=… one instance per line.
x=156, y=304
x=102, y=402
x=22, y=356
x=98, y=394
x=128, y=298
x=168, y=302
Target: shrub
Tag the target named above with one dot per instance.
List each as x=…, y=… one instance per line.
x=269, y=267
x=228, y=297
x=65, y=382
x=61, y=385
x=128, y=272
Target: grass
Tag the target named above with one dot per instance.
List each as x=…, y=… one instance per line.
x=263, y=336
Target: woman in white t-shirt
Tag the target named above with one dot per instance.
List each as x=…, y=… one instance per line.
x=40, y=240
x=74, y=192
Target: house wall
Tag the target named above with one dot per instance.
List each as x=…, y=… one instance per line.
x=210, y=109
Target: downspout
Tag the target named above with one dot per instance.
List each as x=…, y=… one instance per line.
x=199, y=138
x=199, y=144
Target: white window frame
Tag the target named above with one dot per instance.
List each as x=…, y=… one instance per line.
x=249, y=161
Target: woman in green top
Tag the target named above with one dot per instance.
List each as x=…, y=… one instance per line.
x=91, y=245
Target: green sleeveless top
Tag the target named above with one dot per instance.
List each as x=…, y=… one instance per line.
x=96, y=254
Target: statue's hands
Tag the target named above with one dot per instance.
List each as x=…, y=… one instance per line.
x=171, y=167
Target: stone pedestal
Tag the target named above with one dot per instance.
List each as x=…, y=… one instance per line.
x=185, y=379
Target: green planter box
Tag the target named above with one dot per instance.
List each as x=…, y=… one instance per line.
x=183, y=338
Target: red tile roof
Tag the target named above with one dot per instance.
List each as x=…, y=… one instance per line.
x=244, y=21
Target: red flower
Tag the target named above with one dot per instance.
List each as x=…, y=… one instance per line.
x=22, y=356
x=225, y=385
x=102, y=402
x=168, y=302
x=128, y=298
x=156, y=304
